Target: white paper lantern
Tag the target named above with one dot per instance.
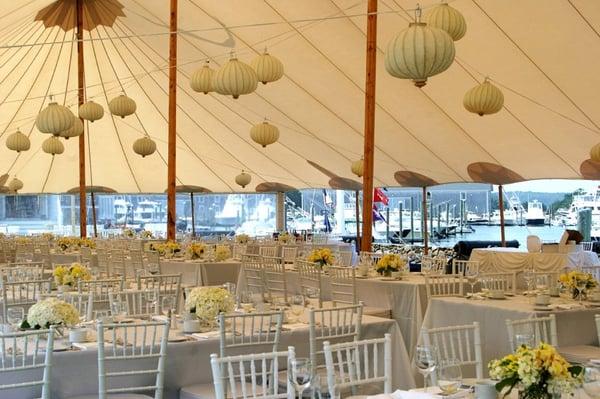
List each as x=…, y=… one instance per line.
x=18, y=142
x=54, y=119
x=53, y=146
x=419, y=52
x=447, y=18
x=201, y=80
x=122, y=106
x=595, y=153
x=267, y=68
x=235, y=78
x=358, y=167
x=91, y=111
x=15, y=185
x=264, y=133
x=484, y=99
x=144, y=146
x=243, y=179
x=75, y=130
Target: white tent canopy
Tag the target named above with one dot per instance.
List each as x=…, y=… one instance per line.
x=544, y=56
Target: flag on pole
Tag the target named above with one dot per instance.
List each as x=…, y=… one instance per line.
x=377, y=216
x=379, y=196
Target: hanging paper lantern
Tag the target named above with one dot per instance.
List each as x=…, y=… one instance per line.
x=357, y=167
x=54, y=119
x=595, y=153
x=18, y=142
x=15, y=185
x=201, y=80
x=144, y=146
x=447, y=18
x=264, y=133
x=419, y=52
x=53, y=146
x=243, y=179
x=91, y=111
x=122, y=106
x=75, y=130
x=235, y=78
x=484, y=99
x=267, y=68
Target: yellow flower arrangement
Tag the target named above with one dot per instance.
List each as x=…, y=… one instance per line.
x=242, y=238
x=222, y=252
x=322, y=257
x=539, y=372
x=66, y=243
x=390, y=263
x=147, y=234
x=70, y=275
x=47, y=236
x=129, y=233
x=163, y=248
x=195, y=250
x=578, y=282
x=284, y=237
x=87, y=242
x=23, y=240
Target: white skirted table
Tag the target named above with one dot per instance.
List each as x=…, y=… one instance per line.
x=202, y=273
x=515, y=259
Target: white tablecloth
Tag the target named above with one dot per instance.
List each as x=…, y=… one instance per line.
x=75, y=372
x=514, y=259
x=208, y=273
x=574, y=327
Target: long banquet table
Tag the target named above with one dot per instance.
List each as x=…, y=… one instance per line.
x=75, y=372
x=203, y=273
x=515, y=259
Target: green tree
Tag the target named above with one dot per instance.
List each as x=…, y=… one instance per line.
x=567, y=199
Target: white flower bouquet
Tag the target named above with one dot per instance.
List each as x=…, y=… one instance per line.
x=222, y=252
x=52, y=312
x=208, y=302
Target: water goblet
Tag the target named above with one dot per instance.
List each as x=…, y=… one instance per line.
x=528, y=276
x=167, y=306
x=297, y=308
x=14, y=316
x=425, y=361
x=119, y=310
x=524, y=339
x=591, y=381
x=300, y=374
x=449, y=376
x=472, y=275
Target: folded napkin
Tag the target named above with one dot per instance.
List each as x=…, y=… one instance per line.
x=295, y=326
x=434, y=393
x=206, y=335
x=477, y=295
x=564, y=306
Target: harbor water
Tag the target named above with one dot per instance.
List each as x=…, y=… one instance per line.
x=548, y=234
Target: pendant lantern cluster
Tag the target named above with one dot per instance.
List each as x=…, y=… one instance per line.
x=357, y=167
x=243, y=179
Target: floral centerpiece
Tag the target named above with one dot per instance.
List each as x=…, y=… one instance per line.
x=242, y=238
x=170, y=247
x=195, y=250
x=71, y=275
x=67, y=243
x=129, y=233
x=538, y=373
x=146, y=234
x=23, y=240
x=284, y=237
x=222, y=252
x=578, y=283
x=207, y=302
x=51, y=312
x=389, y=263
x=47, y=236
x=87, y=242
x=322, y=257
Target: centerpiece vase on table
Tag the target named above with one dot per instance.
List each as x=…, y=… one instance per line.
x=207, y=302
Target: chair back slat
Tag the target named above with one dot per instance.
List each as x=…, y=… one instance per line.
x=542, y=329
x=503, y=281
x=440, y=285
x=310, y=275
x=23, y=294
x=165, y=284
x=343, y=285
x=140, y=303
x=253, y=330
x=275, y=279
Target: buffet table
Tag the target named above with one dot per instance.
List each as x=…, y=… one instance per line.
x=514, y=259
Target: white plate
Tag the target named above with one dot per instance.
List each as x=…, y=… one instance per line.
x=178, y=338
x=125, y=321
x=387, y=279
x=542, y=308
x=362, y=277
x=496, y=298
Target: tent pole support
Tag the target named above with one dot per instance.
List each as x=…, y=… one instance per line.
x=424, y=231
x=172, y=159
x=357, y=212
x=193, y=214
x=94, y=213
x=81, y=100
x=369, y=133
x=501, y=206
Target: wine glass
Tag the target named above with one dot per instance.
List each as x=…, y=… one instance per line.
x=14, y=316
x=581, y=285
x=167, y=305
x=524, y=339
x=591, y=381
x=472, y=274
x=297, y=308
x=312, y=294
x=528, y=276
x=151, y=301
x=449, y=376
x=425, y=361
x=300, y=373
x=119, y=310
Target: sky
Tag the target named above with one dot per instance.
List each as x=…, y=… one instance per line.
x=553, y=186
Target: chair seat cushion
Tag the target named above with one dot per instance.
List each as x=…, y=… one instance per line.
x=115, y=396
x=207, y=391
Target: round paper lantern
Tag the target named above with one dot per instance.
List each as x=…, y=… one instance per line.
x=419, y=52
x=54, y=119
x=91, y=111
x=447, y=18
x=243, y=179
x=144, y=146
x=264, y=133
x=122, y=106
x=595, y=153
x=201, y=80
x=18, y=142
x=53, y=146
x=75, y=130
x=484, y=99
x=15, y=185
x=235, y=78
x=357, y=167
x=267, y=68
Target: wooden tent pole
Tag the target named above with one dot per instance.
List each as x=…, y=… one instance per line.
x=81, y=100
x=193, y=214
x=357, y=213
x=369, y=133
x=94, y=213
x=501, y=206
x=424, y=213
x=171, y=212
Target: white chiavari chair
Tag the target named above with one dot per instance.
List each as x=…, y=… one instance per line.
x=344, y=291
x=136, y=260
x=355, y=366
x=132, y=359
x=426, y=263
x=99, y=288
x=103, y=257
x=501, y=281
x=542, y=329
x=289, y=253
x=152, y=262
x=24, y=356
x=85, y=255
x=371, y=257
x=438, y=265
x=319, y=239
x=587, y=245
x=254, y=274
x=310, y=276
x=83, y=302
x=344, y=258
x=239, y=250
x=440, y=285
x=118, y=264
x=593, y=270
x=139, y=303
x=464, y=266
x=545, y=280
x=23, y=271
x=460, y=343
x=275, y=279
x=268, y=251
x=166, y=284
x=22, y=294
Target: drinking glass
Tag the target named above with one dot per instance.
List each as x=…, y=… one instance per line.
x=300, y=374
x=449, y=376
x=591, y=381
x=119, y=310
x=246, y=301
x=528, y=276
x=151, y=302
x=312, y=294
x=297, y=308
x=167, y=305
x=581, y=287
x=14, y=316
x=472, y=275
x=153, y=268
x=425, y=361
x=526, y=339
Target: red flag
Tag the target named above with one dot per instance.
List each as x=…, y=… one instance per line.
x=379, y=196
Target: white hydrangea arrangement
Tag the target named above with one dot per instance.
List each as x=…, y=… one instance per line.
x=52, y=312
x=222, y=252
x=208, y=302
